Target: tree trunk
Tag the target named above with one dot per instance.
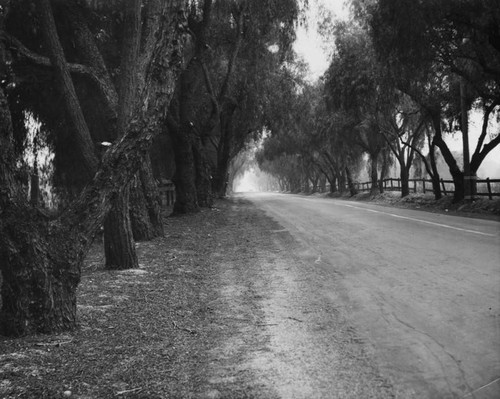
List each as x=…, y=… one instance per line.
x=142, y=228
x=203, y=181
x=350, y=182
x=333, y=183
x=436, y=184
x=66, y=88
x=151, y=196
x=119, y=247
x=404, y=175
x=186, y=200
x=145, y=205
x=314, y=182
x=40, y=258
x=39, y=277
x=88, y=52
x=39, y=268
x=117, y=232
x=322, y=184
x=456, y=173
x=220, y=180
x=342, y=181
x=384, y=169
x=374, y=173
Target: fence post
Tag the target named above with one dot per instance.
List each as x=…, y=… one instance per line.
x=488, y=183
x=444, y=187
x=423, y=184
x=415, y=186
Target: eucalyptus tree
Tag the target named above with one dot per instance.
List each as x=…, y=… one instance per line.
x=354, y=90
x=41, y=254
x=432, y=48
x=99, y=45
x=241, y=46
x=403, y=124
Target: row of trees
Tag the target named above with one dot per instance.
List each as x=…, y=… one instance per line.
x=402, y=75
x=173, y=88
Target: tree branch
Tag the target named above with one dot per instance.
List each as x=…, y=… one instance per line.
x=234, y=55
x=39, y=60
x=484, y=128
x=210, y=87
x=68, y=92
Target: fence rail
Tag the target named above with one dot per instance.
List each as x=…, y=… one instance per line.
x=485, y=187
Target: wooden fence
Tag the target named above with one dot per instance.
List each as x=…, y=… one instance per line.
x=167, y=192
x=485, y=188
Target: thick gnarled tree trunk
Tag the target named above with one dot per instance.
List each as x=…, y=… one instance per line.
x=456, y=174
x=119, y=248
x=186, y=200
x=145, y=204
x=40, y=258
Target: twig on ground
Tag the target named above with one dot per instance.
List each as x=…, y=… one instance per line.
x=183, y=328
x=55, y=343
x=128, y=391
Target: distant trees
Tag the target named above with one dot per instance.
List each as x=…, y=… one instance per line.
x=438, y=52
x=402, y=75
x=221, y=97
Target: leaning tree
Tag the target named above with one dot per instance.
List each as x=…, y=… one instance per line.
x=41, y=255
x=98, y=42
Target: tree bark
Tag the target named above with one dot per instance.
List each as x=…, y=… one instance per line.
x=333, y=184
x=181, y=129
x=203, y=180
x=186, y=200
x=66, y=87
x=436, y=186
x=142, y=229
x=40, y=258
x=145, y=204
x=384, y=169
x=374, y=172
x=119, y=247
x=456, y=173
x=90, y=55
x=350, y=182
x=152, y=196
x=220, y=179
x=405, y=178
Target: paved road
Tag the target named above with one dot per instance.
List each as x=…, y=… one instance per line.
x=422, y=289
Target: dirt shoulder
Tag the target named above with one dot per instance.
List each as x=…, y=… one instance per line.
x=221, y=307
x=481, y=208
